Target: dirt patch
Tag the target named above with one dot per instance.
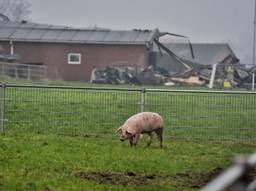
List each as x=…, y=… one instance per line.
x=195, y=179
x=180, y=180
x=48, y=189
x=127, y=178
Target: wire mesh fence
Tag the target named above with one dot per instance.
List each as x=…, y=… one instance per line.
x=206, y=115
x=99, y=111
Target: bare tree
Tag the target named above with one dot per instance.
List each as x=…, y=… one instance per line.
x=16, y=10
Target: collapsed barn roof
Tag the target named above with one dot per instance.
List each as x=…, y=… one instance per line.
x=204, y=53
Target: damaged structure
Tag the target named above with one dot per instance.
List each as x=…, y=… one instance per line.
x=216, y=62
x=183, y=64
x=115, y=56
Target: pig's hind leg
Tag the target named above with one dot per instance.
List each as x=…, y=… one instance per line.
x=159, y=133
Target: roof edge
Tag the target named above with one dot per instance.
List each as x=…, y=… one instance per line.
x=78, y=42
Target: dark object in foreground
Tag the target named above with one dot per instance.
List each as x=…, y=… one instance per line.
x=237, y=178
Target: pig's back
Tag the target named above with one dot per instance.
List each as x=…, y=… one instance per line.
x=145, y=120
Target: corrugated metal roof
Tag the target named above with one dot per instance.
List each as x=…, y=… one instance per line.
x=23, y=31
x=35, y=34
x=205, y=53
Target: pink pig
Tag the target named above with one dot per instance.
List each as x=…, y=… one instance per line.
x=144, y=122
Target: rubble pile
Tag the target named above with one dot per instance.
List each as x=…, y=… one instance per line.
x=127, y=75
x=236, y=75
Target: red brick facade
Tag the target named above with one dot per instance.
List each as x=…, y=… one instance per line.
x=55, y=57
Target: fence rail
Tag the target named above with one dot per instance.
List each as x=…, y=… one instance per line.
x=23, y=71
x=188, y=114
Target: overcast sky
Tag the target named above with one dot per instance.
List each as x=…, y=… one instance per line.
x=228, y=21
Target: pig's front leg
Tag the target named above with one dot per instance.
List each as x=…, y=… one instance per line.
x=131, y=141
x=136, y=139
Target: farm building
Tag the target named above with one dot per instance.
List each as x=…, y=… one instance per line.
x=73, y=53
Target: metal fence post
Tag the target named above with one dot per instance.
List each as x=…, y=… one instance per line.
x=2, y=105
x=142, y=99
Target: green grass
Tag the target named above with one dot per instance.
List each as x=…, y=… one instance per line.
x=31, y=161
x=34, y=156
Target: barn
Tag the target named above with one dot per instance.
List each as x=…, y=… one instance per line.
x=72, y=53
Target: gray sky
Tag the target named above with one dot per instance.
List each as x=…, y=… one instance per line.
x=229, y=21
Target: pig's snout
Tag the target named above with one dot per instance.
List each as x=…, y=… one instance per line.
x=122, y=138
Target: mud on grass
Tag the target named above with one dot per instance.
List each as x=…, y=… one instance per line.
x=187, y=179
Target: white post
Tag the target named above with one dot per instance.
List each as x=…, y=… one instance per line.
x=11, y=48
x=214, y=66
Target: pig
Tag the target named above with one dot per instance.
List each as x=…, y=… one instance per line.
x=140, y=123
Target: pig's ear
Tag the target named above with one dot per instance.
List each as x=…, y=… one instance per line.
x=131, y=130
x=119, y=129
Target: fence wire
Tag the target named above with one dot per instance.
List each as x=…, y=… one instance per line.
x=206, y=115
x=99, y=111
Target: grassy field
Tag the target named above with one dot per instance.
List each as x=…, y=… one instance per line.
x=37, y=154
x=31, y=161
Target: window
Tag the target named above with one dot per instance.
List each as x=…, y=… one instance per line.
x=74, y=58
